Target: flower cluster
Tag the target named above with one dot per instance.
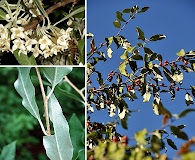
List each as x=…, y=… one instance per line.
x=47, y=44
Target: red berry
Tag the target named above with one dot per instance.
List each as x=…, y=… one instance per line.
x=165, y=63
x=101, y=44
x=162, y=84
x=151, y=84
x=115, y=139
x=108, y=102
x=160, y=64
x=89, y=81
x=124, y=139
x=177, y=88
x=88, y=123
x=185, y=62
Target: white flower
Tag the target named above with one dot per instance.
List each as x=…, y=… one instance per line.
x=17, y=33
x=4, y=45
x=37, y=51
x=63, y=40
x=19, y=44
x=29, y=44
x=3, y=32
x=47, y=52
x=55, y=49
x=69, y=30
x=44, y=42
x=24, y=20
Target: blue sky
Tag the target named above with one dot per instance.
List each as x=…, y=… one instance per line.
x=173, y=18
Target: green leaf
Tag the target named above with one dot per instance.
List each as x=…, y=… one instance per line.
x=148, y=51
x=24, y=59
x=159, y=109
x=8, y=152
x=137, y=57
x=168, y=75
x=157, y=37
x=26, y=90
x=55, y=74
x=77, y=134
x=192, y=62
x=171, y=144
x=59, y=145
x=133, y=65
x=2, y=15
x=159, y=56
x=127, y=10
x=78, y=10
x=140, y=34
x=68, y=94
x=81, y=46
x=140, y=136
x=144, y=9
x=117, y=24
x=185, y=112
x=181, y=53
x=179, y=133
x=181, y=126
x=193, y=90
x=186, y=68
x=119, y=16
x=116, y=41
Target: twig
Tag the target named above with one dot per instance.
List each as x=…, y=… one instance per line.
x=74, y=87
x=34, y=23
x=45, y=102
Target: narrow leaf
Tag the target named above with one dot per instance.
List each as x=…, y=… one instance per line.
x=77, y=134
x=58, y=146
x=179, y=133
x=157, y=37
x=140, y=33
x=185, y=112
x=144, y=9
x=193, y=90
x=171, y=144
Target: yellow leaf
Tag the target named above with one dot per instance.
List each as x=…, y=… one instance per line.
x=181, y=53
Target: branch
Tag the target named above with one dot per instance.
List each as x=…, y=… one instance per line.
x=45, y=101
x=34, y=23
x=74, y=87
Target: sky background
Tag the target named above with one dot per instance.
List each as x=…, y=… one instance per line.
x=173, y=18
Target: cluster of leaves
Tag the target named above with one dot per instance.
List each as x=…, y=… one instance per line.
x=64, y=92
x=141, y=71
